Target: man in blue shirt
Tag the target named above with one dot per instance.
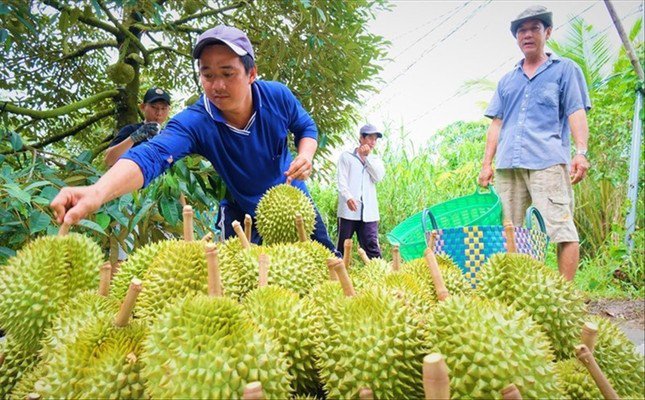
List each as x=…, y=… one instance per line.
x=533, y=110
x=240, y=125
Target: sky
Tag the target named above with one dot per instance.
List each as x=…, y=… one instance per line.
x=436, y=46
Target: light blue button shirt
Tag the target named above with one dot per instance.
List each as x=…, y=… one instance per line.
x=534, y=113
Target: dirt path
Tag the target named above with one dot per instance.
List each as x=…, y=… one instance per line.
x=628, y=314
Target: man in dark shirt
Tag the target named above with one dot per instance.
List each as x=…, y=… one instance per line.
x=155, y=109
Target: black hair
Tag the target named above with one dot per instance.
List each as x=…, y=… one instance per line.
x=248, y=63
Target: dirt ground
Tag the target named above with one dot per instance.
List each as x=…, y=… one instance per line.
x=628, y=314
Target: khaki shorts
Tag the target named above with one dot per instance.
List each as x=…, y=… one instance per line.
x=549, y=190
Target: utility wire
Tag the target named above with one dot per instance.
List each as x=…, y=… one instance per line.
x=429, y=22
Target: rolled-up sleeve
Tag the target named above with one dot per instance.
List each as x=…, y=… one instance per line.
x=158, y=154
x=496, y=107
x=575, y=95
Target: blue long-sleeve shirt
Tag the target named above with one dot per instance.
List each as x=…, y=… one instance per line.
x=250, y=160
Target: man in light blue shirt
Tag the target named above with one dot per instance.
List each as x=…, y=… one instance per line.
x=533, y=110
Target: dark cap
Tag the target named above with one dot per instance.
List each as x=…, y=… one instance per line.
x=370, y=129
x=156, y=94
x=533, y=12
x=234, y=38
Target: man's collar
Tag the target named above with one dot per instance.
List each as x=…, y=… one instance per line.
x=552, y=57
x=216, y=114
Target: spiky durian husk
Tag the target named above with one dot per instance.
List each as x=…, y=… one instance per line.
x=238, y=268
x=291, y=322
x=618, y=360
x=65, y=327
x=316, y=252
x=19, y=360
x=102, y=361
x=135, y=267
x=488, y=345
x=203, y=347
x=527, y=284
x=451, y=274
x=574, y=381
x=411, y=292
x=276, y=213
x=177, y=270
x=120, y=73
x=34, y=285
x=292, y=267
x=371, y=273
x=371, y=340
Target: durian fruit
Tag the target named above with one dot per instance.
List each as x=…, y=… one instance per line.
x=372, y=272
x=120, y=73
x=239, y=266
x=291, y=322
x=369, y=340
x=276, y=212
x=34, y=284
x=574, y=381
x=451, y=274
x=292, y=267
x=618, y=360
x=488, y=345
x=101, y=360
x=527, y=284
x=17, y=362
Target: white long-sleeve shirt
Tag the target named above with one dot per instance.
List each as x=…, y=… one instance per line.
x=358, y=181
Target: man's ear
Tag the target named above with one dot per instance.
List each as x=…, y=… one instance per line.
x=548, y=32
x=142, y=106
x=253, y=74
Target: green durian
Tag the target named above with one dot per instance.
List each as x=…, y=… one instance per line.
x=291, y=323
x=207, y=347
x=276, y=212
x=292, y=267
x=451, y=274
x=17, y=362
x=488, y=345
x=372, y=272
x=574, y=381
x=135, y=266
x=528, y=285
x=120, y=73
x=371, y=340
x=238, y=268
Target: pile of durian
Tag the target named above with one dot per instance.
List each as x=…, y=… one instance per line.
x=196, y=319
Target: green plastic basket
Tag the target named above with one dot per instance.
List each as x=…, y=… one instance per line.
x=480, y=208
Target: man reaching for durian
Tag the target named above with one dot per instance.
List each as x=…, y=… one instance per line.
x=240, y=125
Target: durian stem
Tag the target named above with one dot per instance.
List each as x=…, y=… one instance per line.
x=396, y=258
x=248, y=222
x=263, y=266
x=105, y=276
x=207, y=237
x=125, y=311
x=347, y=254
x=240, y=234
x=63, y=230
x=214, y=279
x=331, y=262
x=511, y=392
x=345, y=282
x=182, y=200
x=437, y=279
x=363, y=255
x=589, y=335
x=300, y=227
x=586, y=357
x=188, y=224
x=436, y=382
x=253, y=391
x=366, y=394
x=510, y=237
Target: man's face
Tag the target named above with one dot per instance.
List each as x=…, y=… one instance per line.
x=156, y=111
x=532, y=36
x=225, y=82
x=369, y=140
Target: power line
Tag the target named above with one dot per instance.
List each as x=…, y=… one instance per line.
x=429, y=22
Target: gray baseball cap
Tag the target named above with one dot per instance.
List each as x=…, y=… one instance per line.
x=370, y=129
x=234, y=38
x=533, y=12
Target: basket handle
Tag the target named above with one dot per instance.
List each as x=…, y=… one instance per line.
x=528, y=221
x=425, y=216
x=490, y=188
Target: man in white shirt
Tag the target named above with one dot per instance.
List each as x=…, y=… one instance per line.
x=358, y=172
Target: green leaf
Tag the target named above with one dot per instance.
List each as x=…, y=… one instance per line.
x=142, y=212
x=91, y=225
x=97, y=8
x=40, y=200
x=49, y=192
x=169, y=210
x=321, y=14
x=38, y=221
x=4, y=9
x=114, y=211
x=17, y=193
x=7, y=252
x=103, y=220
x=16, y=141
x=36, y=185
x=4, y=34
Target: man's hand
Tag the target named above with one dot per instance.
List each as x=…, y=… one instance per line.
x=300, y=168
x=363, y=151
x=485, y=176
x=72, y=204
x=351, y=204
x=145, y=132
x=579, y=167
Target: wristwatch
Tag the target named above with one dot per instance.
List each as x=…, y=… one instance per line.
x=582, y=153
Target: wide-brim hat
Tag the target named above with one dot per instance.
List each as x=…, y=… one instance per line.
x=533, y=12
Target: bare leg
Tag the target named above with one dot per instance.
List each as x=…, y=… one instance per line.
x=568, y=257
